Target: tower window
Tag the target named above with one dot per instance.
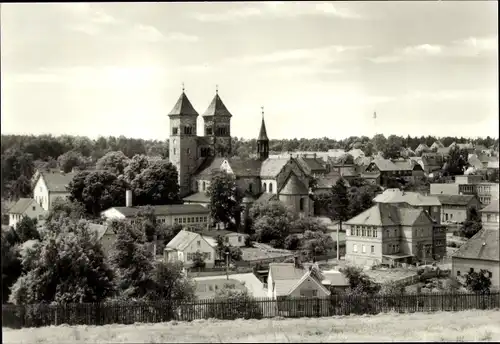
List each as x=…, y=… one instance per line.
x=264, y=186
x=301, y=204
x=175, y=131
x=204, y=186
x=270, y=187
x=208, y=131
x=250, y=186
x=188, y=130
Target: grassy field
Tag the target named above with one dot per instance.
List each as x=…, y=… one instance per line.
x=458, y=326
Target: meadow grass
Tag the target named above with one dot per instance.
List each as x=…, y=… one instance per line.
x=440, y=326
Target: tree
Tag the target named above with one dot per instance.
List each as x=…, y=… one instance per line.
x=225, y=199
x=346, y=159
x=135, y=166
x=339, y=207
x=231, y=303
x=114, y=162
x=368, y=149
x=456, y=162
x=167, y=232
x=156, y=185
x=70, y=160
x=198, y=260
x=473, y=223
x=170, y=284
x=66, y=266
x=292, y=242
x=478, y=282
x=312, y=224
x=26, y=230
x=316, y=244
x=62, y=207
x=361, y=199
x=145, y=222
x=97, y=191
x=359, y=281
x=17, y=170
x=131, y=260
x=271, y=222
x=11, y=262
x=392, y=149
x=379, y=142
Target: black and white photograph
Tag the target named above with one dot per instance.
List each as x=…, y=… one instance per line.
x=245, y=171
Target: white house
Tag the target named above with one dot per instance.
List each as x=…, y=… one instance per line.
x=185, y=244
x=230, y=238
x=26, y=207
x=48, y=186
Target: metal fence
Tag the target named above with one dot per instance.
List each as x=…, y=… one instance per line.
x=140, y=312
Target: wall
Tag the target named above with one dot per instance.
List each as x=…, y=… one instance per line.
x=444, y=188
x=487, y=191
x=37, y=213
x=464, y=265
x=293, y=201
x=307, y=286
x=201, y=219
x=41, y=193
x=236, y=240
x=204, y=247
x=490, y=220
x=267, y=182
x=359, y=258
x=250, y=184
x=456, y=213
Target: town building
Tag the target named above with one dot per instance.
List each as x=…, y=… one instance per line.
x=468, y=185
x=198, y=157
x=185, y=244
x=454, y=208
x=50, y=185
x=482, y=251
x=393, y=233
x=171, y=214
x=385, y=169
x=229, y=238
x=26, y=207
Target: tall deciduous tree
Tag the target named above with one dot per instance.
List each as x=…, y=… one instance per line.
x=316, y=243
x=271, y=222
x=225, y=199
x=339, y=207
x=66, y=266
x=456, y=161
x=472, y=224
x=157, y=184
x=392, y=149
x=26, y=229
x=478, y=282
x=70, y=160
x=379, y=142
x=66, y=208
x=114, y=162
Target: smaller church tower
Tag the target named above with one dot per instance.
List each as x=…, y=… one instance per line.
x=217, y=125
x=263, y=140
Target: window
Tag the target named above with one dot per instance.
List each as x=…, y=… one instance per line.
x=351, y=231
x=363, y=232
x=175, y=131
x=372, y=249
x=33, y=208
x=375, y=233
x=183, y=220
x=250, y=186
x=211, y=288
x=315, y=293
x=239, y=238
x=188, y=220
x=357, y=231
x=216, y=287
x=175, y=151
x=264, y=186
x=270, y=187
x=355, y=248
x=188, y=130
x=301, y=204
x=198, y=242
x=203, y=186
x=363, y=248
x=208, y=131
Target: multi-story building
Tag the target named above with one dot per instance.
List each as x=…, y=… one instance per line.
x=389, y=234
x=468, y=185
x=26, y=207
x=454, y=207
x=385, y=169
x=50, y=185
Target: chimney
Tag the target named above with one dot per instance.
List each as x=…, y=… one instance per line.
x=128, y=198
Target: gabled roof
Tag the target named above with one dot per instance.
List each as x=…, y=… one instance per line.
x=217, y=108
x=422, y=147
x=311, y=164
x=272, y=167
x=57, y=181
x=164, y=210
x=197, y=197
x=462, y=200
x=21, y=206
x=245, y=167
x=208, y=167
x=437, y=144
x=266, y=197
x=444, y=150
x=263, y=132
x=492, y=207
x=307, y=275
x=327, y=180
x=356, y=153
x=482, y=246
x=385, y=165
x=182, y=240
x=293, y=186
x=99, y=229
x=379, y=215
x=412, y=198
x=285, y=271
x=183, y=107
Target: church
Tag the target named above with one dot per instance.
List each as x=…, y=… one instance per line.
x=261, y=179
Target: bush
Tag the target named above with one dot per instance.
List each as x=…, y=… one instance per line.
x=230, y=303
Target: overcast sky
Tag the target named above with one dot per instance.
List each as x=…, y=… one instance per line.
x=319, y=69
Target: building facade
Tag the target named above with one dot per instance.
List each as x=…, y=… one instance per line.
x=26, y=207
x=49, y=186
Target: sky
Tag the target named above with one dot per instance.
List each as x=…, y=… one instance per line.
x=319, y=69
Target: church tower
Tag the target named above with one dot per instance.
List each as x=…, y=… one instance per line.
x=263, y=140
x=183, y=141
x=217, y=127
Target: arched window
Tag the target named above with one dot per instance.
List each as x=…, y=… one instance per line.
x=270, y=187
x=264, y=186
x=301, y=204
x=204, y=186
x=250, y=186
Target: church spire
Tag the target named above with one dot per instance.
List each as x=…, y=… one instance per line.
x=263, y=140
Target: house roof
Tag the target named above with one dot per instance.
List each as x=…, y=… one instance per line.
x=387, y=215
x=385, y=165
x=245, y=167
x=263, y=132
x=266, y=197
x=208, y=167
x=412, y=198
x=21, y=206
x=183, y=107
x=293, y=186
x=311, y=164
x=164, y=210
x=422, y=147
x=182, y=240
x=305, y=276
x=221, y=232
x=493, y=164
x=99, y=229
x=327, y=180
x=444, y=150
x=285, y=271
x=334, y=278
x=437, y=144
x=356, y=152
x=57, y=181
x=492, y=207
x=217, y=108
x=197, y=197
x=483, y=246
x=455, y=199
x=272, y=167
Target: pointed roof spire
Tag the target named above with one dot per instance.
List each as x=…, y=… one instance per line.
x=183, y=106
x=263, y=132
x=217, y=107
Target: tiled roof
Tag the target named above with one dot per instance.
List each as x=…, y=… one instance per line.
x=492, y=207
x=182, y=240
x=21, y=205
x=99, y=229
x=285, y=271
x=245, y=167
x=197, y=197
x=482, y=246
x=385, y=165
x=272, y=167
x=388, y=215
x=183, y=107
x=311, y=164
x=165, y=210
x=307, y=274
x=217, y=108
x=422, y=147
x=362, y=161
x=263, y=132
x=208, y=167
x=408, y=216
x=266, y=197
x=57, y=181
x=335, y=278
x=412, y=198
x=455, y=199
x=444, y=150
x=221, y=232
x=293, y=186
x=437, y=144
x=327, y=180
x=404, y=165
